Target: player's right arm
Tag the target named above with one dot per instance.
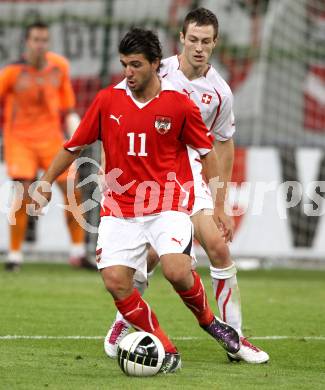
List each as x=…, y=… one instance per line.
x=61, y=162
x=7, y=76
x=43, y=193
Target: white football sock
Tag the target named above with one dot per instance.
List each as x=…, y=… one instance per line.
x=78, y=250
x=15, y=257
x=226, y=293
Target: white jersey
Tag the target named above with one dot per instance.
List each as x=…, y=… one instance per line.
x=214, y=98
x=211, y=94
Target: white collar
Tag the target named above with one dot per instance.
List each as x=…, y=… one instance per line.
x=165, y=86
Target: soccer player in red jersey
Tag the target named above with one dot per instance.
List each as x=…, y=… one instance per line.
x=145, y=126
x=190, y=73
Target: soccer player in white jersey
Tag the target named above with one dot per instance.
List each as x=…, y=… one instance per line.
x=191, y=74
x=138, y=120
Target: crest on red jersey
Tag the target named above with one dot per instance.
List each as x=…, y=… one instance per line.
x=206, y=98
x=163, y=124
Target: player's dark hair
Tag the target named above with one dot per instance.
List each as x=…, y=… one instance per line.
x=38, y=24
x=140, y=41
x=202, y=17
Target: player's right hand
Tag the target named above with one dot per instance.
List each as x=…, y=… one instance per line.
x=41, y=195
x=225, y=224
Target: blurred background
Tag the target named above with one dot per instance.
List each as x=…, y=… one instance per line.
x=271, y=53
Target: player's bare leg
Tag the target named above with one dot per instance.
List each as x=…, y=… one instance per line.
x=18, y=224
x=222, y=269
x=78, y=257
x=120, y=327
x=177, y=269
x=226, y=291
x=118, y=281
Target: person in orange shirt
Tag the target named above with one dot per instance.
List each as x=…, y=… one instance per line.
x=35, y=91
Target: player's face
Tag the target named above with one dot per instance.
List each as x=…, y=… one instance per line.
x=199, y=43
x=37, y=43
x=138, y=71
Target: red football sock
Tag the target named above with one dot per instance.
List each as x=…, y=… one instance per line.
x=136, y=311
x=196, y=300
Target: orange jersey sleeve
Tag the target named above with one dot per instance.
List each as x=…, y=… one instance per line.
x=7, y=79
x=67, y=96
x=8, y=76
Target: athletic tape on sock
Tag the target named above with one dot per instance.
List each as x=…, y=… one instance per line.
x=223, y=273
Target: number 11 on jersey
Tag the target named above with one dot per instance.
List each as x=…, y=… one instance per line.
x=142, y=152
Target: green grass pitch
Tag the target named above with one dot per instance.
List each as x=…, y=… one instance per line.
x=56, y=301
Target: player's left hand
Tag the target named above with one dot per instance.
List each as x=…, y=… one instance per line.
x=225, y=224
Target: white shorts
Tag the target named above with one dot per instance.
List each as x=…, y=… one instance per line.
x=203, y=199
x=124, y=241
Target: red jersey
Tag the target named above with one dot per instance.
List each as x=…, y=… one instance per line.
x=145, y=148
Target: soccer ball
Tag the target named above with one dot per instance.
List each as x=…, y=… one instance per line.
x=140, y=354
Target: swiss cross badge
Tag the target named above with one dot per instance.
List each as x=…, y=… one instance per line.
x=163, y=124
x=206, y=98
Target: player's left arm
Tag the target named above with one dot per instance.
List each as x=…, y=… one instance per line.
x=225, y=154
x=223, y=132
x=195, y=134
x=68, y=101
x=212, y=170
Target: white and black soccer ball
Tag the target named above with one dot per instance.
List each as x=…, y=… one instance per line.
x=140, y=354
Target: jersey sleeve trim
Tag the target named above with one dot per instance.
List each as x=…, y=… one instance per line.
x=218, y=111
x=223, y=139
x=74, y=149
x=203, y=151
x=223, y=125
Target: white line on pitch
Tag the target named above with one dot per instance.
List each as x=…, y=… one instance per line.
x=20, y=337
x=183, y=338
x=261, y=338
